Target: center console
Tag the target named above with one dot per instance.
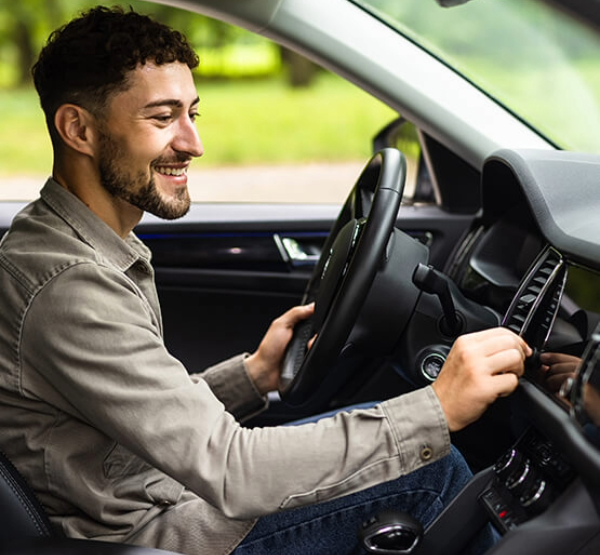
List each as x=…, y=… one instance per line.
x=528, y=478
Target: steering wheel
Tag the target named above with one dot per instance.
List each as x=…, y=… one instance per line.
x=357, y=249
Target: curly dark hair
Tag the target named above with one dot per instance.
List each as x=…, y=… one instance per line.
x=89, y=58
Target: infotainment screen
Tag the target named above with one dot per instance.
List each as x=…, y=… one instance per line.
x=578, y=313
x=583, y=288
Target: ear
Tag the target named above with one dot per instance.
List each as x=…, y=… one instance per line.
x=76, y=127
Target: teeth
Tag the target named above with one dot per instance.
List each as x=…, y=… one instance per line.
x=171, y=171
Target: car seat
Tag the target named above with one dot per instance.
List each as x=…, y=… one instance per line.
x=26, y=528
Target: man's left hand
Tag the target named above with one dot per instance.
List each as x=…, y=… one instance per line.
x=264, y=365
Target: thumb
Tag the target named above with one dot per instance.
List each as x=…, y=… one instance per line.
x=297, y=314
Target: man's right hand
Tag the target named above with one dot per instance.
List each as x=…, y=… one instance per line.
x=481, y=367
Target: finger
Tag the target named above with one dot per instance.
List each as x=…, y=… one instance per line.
x=507, y=361
x=553, y=359
x=506, y=341
x=564, y=368
x=493, y=333
x=296, y=314
x=505, y=384
x=494, y=340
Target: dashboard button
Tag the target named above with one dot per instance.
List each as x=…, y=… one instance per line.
x=431, y=366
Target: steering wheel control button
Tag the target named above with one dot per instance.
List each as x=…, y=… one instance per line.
x=431, y=366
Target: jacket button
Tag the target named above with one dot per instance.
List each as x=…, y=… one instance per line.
x=165, y=503
x=426, y=453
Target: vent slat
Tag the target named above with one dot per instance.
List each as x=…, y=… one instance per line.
x=520, y=317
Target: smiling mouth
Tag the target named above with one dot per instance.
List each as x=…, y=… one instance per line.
x=168, y=170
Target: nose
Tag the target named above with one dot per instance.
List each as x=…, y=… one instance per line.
x=187, y=138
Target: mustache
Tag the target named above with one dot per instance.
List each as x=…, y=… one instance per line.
x=178, y=158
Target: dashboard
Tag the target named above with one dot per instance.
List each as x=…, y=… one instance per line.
x=534, y=254
x=533, y=258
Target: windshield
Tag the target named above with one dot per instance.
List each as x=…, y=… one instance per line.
x=537, y=61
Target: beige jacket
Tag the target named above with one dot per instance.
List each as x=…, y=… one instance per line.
x=114, y=434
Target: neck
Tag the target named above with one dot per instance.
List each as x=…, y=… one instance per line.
x=83, y=181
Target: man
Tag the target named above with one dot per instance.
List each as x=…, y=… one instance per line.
x=118, y=440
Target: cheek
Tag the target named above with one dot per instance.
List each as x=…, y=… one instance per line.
x=143, y=146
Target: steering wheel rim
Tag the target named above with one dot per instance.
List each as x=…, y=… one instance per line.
x=344, y=274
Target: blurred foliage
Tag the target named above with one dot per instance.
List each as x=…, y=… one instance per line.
x=237, y=124
x=24, y=27
x=546, y=69
x=539, y=62
x=489, y=29
x=226, y=51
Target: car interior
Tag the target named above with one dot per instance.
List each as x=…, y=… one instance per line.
x=488, y=224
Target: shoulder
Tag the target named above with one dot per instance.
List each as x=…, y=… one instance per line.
x=38, y=244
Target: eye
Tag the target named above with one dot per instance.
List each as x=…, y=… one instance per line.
x=194, y=116
x=162, y=118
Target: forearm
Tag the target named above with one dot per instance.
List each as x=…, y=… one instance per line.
x=258, y=471
x=231, y=384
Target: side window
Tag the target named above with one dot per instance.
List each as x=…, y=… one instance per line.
x=276, y=128
x=271, y=142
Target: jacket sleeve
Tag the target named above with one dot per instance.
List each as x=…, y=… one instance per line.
x=91, y=346
x=232, y=385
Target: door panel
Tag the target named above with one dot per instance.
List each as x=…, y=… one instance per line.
x=221, y=283
x=222, y=276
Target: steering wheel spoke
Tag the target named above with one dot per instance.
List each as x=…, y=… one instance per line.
x=357, y=253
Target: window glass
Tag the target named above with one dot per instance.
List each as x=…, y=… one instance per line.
x=275, y=127
x=529, y=55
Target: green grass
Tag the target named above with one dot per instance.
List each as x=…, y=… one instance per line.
x=245, y=122
x=267, y=122
x=24, y=143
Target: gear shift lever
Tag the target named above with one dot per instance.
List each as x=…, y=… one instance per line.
x=390, y=533
x=429, y=280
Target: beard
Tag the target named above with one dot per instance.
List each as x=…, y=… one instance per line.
x=139, y=189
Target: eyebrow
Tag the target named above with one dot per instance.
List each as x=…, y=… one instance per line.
x=172, y=102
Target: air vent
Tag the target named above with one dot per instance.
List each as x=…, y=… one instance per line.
x=534, y=307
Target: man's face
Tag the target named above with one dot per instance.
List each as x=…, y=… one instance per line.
x=148, y=138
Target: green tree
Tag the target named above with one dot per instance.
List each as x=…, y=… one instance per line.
x=25, y=25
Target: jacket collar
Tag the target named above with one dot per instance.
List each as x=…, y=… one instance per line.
x=91, y=229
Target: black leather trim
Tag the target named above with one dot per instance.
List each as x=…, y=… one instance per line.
x=69, y=546
x=22, y=513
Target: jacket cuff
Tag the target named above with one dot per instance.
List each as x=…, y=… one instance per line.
x=231, y=384
x=419, y=427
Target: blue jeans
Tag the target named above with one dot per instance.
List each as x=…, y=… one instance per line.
x=330, y=528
